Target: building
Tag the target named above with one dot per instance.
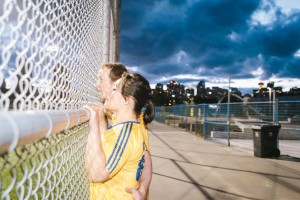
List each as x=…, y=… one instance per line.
x=190, y=95
x=159, y=88
x=294, y=91
x=159, y=95
x=176, y=93
x=216, y=92
x=201, y=92
x=263, y=94
x=235, y=91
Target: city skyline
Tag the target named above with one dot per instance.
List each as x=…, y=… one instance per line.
x=189, y=41
x=177, y=93
x=261, y=86
x=225, y=86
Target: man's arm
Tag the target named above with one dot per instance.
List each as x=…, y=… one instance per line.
x=145, y=180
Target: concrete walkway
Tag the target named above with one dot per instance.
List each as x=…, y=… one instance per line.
x=187, y=167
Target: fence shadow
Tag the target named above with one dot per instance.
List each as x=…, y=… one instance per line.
x=288, y=158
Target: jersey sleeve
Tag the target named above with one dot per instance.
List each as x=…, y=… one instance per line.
x=121, y=151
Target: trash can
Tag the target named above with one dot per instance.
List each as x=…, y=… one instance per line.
x=265, y=140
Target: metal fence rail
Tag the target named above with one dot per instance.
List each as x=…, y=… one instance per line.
x=233, y=120
x=50, y=53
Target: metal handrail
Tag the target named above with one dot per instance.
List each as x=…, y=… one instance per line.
x=19, y=128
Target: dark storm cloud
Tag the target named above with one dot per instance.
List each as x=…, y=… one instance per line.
x=215, y=35
x=278, y=46
x=153, y=36
x=209, y=23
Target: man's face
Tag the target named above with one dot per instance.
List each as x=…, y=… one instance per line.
x=104, y=83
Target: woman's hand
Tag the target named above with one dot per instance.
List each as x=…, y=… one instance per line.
x=97, y=116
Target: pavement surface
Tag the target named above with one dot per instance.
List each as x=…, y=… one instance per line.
x=187, y=167
x=288, y=148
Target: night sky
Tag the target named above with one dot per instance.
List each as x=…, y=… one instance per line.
x=213, y=40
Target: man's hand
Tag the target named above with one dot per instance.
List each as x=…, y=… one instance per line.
x=145, y=180
x=139, y=194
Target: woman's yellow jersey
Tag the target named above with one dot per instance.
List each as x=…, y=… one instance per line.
x=144, y=128
x=124, y=146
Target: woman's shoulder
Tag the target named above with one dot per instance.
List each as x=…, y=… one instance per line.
x=123, y=128
x=125, y=124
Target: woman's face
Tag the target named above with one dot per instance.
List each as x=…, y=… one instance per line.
x=104, y=83
x=115, y=99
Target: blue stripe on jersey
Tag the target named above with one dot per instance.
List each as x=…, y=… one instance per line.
x=119, y=158
x=119, y=145
x=115, y=147
x=140, y=168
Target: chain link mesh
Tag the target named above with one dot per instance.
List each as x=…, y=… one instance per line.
x=52, y=168
x=50, y=53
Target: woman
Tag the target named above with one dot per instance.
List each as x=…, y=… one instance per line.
x=114, y=157
x=109, y=73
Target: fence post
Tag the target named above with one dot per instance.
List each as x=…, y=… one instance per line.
x=174, y=108
x=165, y=116
x=276, y=112
x=186, y=117
x=169, y=116
x=204, y=122
x=228, y=124
x=107, y=22
x=195, y=113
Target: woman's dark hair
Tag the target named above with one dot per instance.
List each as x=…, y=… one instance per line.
x=136, y=86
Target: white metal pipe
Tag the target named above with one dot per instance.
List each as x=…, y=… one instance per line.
x=115, y=7
x=106, y=28
x=19, y=128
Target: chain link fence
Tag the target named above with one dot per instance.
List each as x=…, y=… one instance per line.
x=52, y=168
x=50, y=53
x=226, y=123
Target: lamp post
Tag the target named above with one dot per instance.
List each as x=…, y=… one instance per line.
x=270, y=86
x=228, y=114
x=274, y=106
